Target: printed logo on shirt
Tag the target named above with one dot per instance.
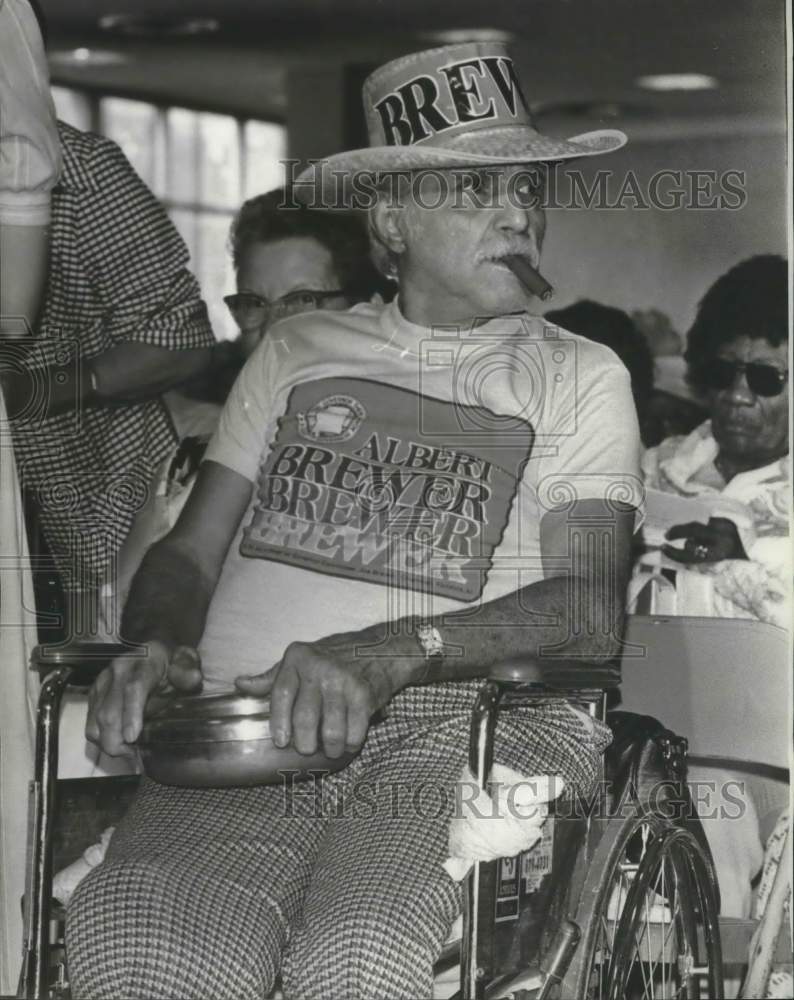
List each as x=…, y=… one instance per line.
x=333, y=419
x=351, y=487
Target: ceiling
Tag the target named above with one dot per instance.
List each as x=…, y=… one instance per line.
x=577, y=58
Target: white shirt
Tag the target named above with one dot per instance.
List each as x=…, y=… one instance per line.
x=401, y=471
x=30, y=153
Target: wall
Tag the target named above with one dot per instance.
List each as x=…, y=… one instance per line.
x=634, y=258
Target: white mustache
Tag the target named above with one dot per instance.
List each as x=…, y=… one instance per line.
x=531, y=253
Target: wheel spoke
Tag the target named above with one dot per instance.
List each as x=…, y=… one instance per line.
x=645, y=977
x=648, y=946
x=652, y=895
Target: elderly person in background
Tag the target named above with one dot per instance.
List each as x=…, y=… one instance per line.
x=615, y=329
x=660, y=412
x=737, y=461
x=288, y=259
x=736, y=465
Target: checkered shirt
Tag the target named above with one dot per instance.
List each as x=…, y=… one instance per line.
x=118, y=272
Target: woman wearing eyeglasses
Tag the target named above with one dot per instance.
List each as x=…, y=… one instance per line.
x=290, y=259
x=737, y=358
x=287, y=259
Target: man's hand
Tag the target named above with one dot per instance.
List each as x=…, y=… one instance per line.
x=705, y=543
x=119, y=695
x=322, y=694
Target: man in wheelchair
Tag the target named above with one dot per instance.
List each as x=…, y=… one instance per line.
x=397, y=498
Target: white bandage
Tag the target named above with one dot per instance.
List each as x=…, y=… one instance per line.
x=500, y=824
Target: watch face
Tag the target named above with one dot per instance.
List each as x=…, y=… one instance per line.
x=430, y=640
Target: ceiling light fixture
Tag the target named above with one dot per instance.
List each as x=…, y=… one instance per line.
x=455, y=36
x=149, y=25
x=677, y=81
x=85, y=58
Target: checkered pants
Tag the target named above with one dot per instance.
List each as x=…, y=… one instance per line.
x=337, y=885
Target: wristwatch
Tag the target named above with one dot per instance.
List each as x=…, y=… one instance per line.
x=429, y=638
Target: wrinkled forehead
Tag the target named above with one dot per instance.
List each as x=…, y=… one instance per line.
x=275, y=267
x=759, y=349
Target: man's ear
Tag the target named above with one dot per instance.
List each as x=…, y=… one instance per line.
x=385, y=220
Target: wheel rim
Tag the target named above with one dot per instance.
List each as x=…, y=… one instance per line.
x=646, y=944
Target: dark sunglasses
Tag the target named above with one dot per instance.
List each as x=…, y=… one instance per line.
x=763, y=380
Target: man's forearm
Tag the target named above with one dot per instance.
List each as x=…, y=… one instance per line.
x=559, y=615
x=168, y=599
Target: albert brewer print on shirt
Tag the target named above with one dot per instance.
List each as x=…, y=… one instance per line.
x=367, y=480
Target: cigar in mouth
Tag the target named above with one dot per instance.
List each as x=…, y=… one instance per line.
x=532, y=280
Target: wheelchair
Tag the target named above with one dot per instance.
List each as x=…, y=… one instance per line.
x=619, y=900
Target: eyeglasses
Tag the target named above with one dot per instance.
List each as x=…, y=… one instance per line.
x=763, y=380
x=251, y=311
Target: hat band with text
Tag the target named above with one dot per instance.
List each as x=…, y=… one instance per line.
x=472, y=93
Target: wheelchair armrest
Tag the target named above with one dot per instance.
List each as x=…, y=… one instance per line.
x=86, y=660
x=556, y=673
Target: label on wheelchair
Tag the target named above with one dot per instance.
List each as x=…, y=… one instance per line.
x=531, y=868
x=536, y=863
x=508, y=890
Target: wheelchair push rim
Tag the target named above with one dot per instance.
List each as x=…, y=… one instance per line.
x=648, y=917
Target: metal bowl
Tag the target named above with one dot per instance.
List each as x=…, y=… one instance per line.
x=220, y=741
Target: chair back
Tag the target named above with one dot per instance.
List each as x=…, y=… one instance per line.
x=721, y=683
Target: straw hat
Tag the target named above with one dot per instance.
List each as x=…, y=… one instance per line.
x=456, y=106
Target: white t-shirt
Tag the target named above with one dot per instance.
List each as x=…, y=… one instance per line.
x=402, y=471
x=30, y=150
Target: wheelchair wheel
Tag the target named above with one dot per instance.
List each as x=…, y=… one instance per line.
x=648, y=917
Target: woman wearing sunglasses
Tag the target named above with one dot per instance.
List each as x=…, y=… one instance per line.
x=734, y=563
x=737, y=358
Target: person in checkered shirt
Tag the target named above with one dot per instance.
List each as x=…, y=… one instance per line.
x=122, y=322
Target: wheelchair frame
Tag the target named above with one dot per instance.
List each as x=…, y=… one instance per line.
x=562, y=966
x=525, y=682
